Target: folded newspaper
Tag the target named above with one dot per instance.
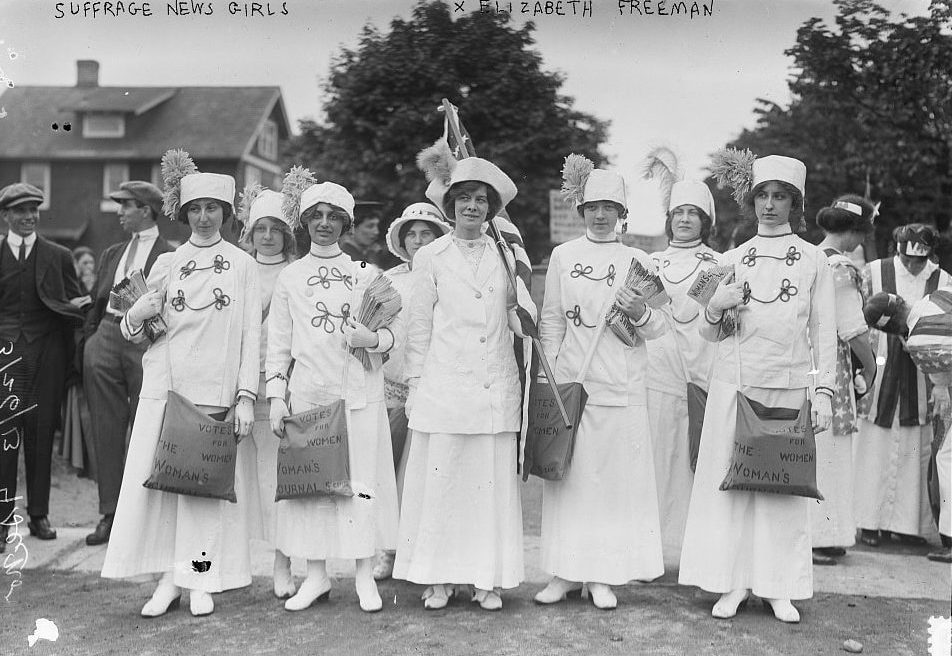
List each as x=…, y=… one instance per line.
x=644, y=282
x=379, y=306
x=124, y=295
x=703, y=288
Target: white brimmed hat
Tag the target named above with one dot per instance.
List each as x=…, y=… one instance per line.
x=693, y=192
x=207, y=185
x=415, y=212
x=779, y=167
x=604, y=185
x=330, y=193
x=476, y=169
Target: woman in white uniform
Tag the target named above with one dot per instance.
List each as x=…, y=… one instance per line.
x=207, y=293
x=268, y=237
x=737, y=542
x=680, y=356
x=846, y=223
x=461, y=520
x=417, y=226
x=586, y=539
x=311, y=324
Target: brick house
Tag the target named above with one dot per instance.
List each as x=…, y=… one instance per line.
x=78, y=143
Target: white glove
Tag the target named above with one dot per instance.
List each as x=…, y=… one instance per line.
x=727, y=295
x=279, y=410
x=358, y=335
x=859, y=384
x=148, y=306
x=822, y=412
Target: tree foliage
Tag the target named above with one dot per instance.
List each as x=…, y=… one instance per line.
x=871, y=110
x=380, y=110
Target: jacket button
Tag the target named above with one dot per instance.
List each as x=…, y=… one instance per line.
x=490, y=289
x=482, y=340
x=486, y=385
x=479, y=294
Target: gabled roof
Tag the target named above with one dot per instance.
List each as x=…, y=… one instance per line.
x=209, y=122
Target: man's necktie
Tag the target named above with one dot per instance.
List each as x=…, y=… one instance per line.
x=22, y=255
x=131, y=254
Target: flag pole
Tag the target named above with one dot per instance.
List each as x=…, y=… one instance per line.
x=527, y=323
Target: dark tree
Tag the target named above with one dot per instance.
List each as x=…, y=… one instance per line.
x=380, y=110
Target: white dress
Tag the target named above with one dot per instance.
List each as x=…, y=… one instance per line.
x=461, y=519
x=735, y=539
x=396, y=390
x=600, y=522
x=891, y=464
x=679, y=356
x=311, y=298
x=213, y=311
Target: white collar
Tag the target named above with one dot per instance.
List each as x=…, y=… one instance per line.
x=149, y=234
x=277, y=258
x=781, y=230
x=325, y=251
x=14, y=239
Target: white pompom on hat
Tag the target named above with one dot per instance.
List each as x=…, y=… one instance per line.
x=330, y=193
x=414, y=212
x=207, y=185
x=693, y=192
x=604, y=185
x=476, y=169
x=779, y=167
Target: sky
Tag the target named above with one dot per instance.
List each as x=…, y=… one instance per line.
x=688, y=83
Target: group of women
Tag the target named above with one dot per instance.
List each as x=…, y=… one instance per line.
x=258, y=337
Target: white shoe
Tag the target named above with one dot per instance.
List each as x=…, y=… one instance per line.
x=488, y=599
x=783, y=610
x=200, y=603
x=165, y=598
x=557, y=590
x=602, y=596
x=283, y=580
x=311, y=590
x=435, y=597
x=726, y=607
x=369, y=596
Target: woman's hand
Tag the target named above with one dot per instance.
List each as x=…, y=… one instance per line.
x=822, y=413
x=358, y=335
x=631, y=303
x=726, y=296
x=279, y=410
x=244, y=417
x=148, y=306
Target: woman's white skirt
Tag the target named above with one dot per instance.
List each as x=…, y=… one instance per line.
x=890, y=468
x=735, y=539
x=347, y=527
x=261, y=509
x=668, y=417
x=831, y=520
x=155, y=532
x=461, y=516
x=600, y=522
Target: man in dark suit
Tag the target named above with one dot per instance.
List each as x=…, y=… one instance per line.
x=112, y=366
x=40, y=301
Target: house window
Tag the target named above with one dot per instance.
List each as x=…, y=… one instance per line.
x=252, y=175
x=104, y=125
x=156, y=177
x=268, y=140
x=38, y=175
x=113, y=175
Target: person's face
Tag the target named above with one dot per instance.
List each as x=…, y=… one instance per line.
x=471, y=209
x=85, y=265
x=132, y=217
x=419, y=235
x=772, y=205
x=601, y=216
x=267, y=237
x=367, y=232
x=325, y=224
x=21, y=219
x=685, y=223
x=205, y=216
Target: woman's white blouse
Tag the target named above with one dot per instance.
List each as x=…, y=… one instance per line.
x=459, y=344
x=580, y=285
x=312, y=297
x=789, y=306
x=213, y=310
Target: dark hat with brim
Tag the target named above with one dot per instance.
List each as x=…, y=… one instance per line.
x=19, y=193
x=141, y=191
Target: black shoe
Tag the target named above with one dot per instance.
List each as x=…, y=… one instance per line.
x=905, y=538
x=835, y=552
x=943, y=555
x=102, y=532
x=40, y=527
x=868, y=537
x=820, y=558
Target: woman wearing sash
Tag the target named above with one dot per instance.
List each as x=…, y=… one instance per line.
x=417, y=226
x=461, y=520
x=585, y=537
x=846, y=223
x=207, y=293
x=311, y=324
x=680, y=356
x=738, y=542
x=268, y=237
